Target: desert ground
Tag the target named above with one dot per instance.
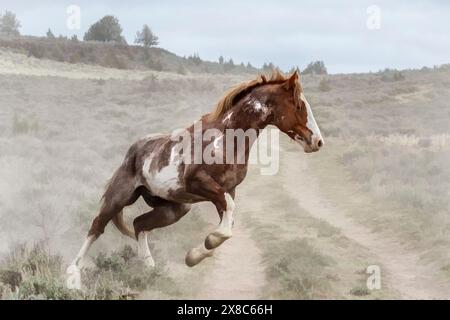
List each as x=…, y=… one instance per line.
x=377, y=194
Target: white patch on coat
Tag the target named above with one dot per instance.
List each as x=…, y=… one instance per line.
x=224, y=229
x=73, y=272
x=255, y=105
x=153, y=136
x=144, y=251
x=217, y=141
x=259, y=107
x=167, y=179
x=228, y=117
x=311, y=122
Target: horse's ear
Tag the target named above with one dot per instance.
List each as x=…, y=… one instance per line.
x=291, y=83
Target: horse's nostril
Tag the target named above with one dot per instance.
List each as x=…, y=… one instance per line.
x=320, y=143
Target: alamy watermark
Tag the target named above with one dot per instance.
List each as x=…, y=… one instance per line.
x=374, y=280
x=373, y=21
x=73, y=20
x=231, y=146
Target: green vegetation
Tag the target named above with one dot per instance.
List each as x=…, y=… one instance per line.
x=317, y=67
x=146, y=37
x=106, y=29
x=9, y=25
x=34, y=273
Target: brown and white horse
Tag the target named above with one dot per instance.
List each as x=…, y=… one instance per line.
x=156, y=170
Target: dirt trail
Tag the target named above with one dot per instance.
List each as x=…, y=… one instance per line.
x=237, y=272
x=400, y=267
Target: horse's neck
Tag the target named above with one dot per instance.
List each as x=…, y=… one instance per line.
x=250, y=116
x=250, y=113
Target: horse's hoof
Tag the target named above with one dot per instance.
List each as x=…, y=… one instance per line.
x=149, y=262
x=196, y=255
x=214, y=240
x=73, y=280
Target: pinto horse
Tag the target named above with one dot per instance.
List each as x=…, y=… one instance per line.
x=156, y=170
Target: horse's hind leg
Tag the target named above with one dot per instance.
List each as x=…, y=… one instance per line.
x=119, y=193
x=159, y=217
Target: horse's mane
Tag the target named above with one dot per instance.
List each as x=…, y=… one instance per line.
x=232, y=96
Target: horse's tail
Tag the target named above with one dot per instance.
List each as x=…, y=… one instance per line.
x=120, y=224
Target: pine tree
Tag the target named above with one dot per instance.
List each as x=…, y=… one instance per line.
x=9, y=25
x=50, y=34
x=146, y=37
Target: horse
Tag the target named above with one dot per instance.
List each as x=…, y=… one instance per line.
x=157, y=167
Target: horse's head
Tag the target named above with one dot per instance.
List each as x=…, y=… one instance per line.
x=293, y=115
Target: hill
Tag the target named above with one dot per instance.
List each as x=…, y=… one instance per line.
x=115, y=55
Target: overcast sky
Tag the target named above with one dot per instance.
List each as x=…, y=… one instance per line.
x=411, y=34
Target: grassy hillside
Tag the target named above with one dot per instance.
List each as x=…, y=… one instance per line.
x=114, y=55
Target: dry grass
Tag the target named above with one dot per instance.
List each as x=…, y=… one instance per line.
x=66, y=127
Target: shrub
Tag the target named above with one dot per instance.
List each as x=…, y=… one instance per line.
x=392, y=75
x=324, y=85
x=23, y=125
x=317, y=67
x=359, y=291
x=154, y=64
x=36, y=51
x=31, y=272
x=292, y=265
x=181, y=70
x=113, y=61
x=34, y=273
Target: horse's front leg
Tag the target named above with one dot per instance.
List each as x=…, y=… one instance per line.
x=205, y=186
x=223, y=232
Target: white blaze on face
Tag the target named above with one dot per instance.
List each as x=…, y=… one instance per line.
x=311, y=122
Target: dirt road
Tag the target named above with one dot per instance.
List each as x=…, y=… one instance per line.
x=401, y=268
x=238, y=272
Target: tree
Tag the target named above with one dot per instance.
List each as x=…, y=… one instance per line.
x=221, y=60
x=195, y=58
x=228, y=65
x=9, y=25
x=50, y=34
x=317, y=67
x=293, y=69
x=268, y=67
x=106, y=29
x=146, y=37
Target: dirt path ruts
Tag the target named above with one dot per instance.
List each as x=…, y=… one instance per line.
x=400, y=267
x=237, y=272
